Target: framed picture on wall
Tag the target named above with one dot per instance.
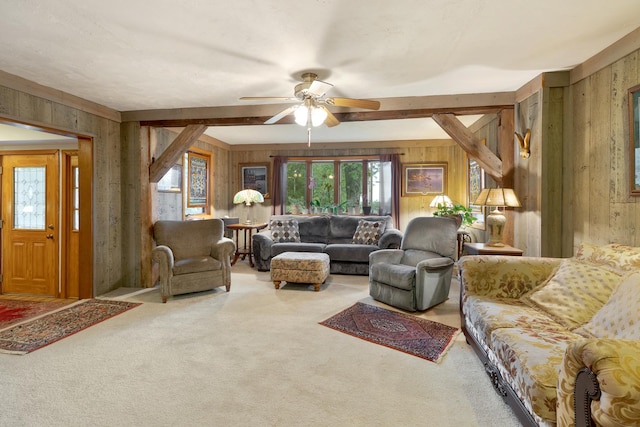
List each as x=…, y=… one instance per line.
x=255, y=176
x=422, y=179
x=634, y=140
x=198, y=195
x=475, y=184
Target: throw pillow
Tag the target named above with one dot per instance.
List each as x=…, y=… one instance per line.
x=619, y=259
x=573, y=293
x=284, y=230
x=618, y=318
x=368, y=232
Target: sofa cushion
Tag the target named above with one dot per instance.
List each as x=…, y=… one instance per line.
x=368, y=232
x=278, y=248
x=396, y=275
x=618, y=318
x=349, y=252
x=284, y=230
x=531, y=358
x=196, y=265
x=573, y=293
x=488, y=314
x=619, y=259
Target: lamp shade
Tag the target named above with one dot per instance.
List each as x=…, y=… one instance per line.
x=497, y=197
x=441, y=199
x=248, y=197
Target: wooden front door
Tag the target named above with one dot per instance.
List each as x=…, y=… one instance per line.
x=30, y=206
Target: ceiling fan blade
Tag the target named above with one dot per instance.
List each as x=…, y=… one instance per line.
x=281, y=115
x=331, y=120
x=355, y=103
x=268, y=98
x=319, y=88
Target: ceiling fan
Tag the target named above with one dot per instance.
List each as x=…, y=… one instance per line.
x=311, y=109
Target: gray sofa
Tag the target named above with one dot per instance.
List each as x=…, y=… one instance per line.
x=330, y=234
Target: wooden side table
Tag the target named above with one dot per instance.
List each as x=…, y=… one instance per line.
x=248, y=232
x=484, y=249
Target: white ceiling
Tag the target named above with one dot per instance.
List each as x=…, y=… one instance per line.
x=164, y=54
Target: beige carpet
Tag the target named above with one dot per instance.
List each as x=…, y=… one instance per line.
x=251, y=357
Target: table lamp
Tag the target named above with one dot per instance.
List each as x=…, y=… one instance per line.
x=248, y=197
x=496, y=198
x=441, y=199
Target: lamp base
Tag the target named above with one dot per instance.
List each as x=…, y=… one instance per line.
x=495, y=222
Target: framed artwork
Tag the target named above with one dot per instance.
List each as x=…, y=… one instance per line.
x=198, y=195
x=634, y=140
x=422, y=179
x=171, y=182
x=475, y=184
x=255, y=176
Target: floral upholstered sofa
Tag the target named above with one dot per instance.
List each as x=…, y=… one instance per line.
x=559, y=338
x=348, y=240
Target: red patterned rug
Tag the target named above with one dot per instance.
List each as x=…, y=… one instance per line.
x=410, y=334
x=30, y=336
x=17, y=311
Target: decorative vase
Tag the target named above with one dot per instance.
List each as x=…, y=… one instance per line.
x=366, y=210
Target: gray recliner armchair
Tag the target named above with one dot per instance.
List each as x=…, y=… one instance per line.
x=192, y=256
x=418, y=275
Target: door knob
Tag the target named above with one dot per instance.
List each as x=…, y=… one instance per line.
x=50, y=226
x=49, y=236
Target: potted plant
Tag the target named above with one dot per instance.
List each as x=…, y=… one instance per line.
x=366, y=207
x=460, y=213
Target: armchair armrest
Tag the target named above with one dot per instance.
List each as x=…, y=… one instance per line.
x=390, y=239
x=615, y=366
x=163, y=255
x=392, y=256
x=433, y=264
x=223, y=249
x=503, y=276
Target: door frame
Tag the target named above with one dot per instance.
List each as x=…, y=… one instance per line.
x=85, y=163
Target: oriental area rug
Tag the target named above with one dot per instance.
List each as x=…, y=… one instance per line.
x=35, y=334
x=18, y=311
x=410, y=334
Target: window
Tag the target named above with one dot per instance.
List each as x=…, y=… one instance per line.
x=334, y=182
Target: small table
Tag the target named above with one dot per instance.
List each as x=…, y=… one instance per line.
x=248, y=232
x=484, y=249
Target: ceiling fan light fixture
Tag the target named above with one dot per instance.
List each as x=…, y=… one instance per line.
x=318, y=116
x=301, y=115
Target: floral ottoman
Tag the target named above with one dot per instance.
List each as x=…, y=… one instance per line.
x=300, y=267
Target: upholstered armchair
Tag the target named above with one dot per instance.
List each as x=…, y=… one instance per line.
x=418, y=275
x=192, y=256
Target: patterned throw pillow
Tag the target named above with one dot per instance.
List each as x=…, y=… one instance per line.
x=284, y=230
x=368, y=232
x=618, y=318
x=574, y=293
x=619, y=259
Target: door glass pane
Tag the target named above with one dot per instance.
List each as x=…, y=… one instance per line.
x=29, y=189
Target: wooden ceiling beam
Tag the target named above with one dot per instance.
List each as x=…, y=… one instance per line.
x=178, y=147
x=471, y=144
x=355, y=116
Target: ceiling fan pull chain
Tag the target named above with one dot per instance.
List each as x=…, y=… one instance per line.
x=309, y=136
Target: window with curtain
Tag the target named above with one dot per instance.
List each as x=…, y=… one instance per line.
x=348, y=183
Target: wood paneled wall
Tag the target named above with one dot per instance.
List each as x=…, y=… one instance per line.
x=603, y=211
x=111, y=267
x=433, y=151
